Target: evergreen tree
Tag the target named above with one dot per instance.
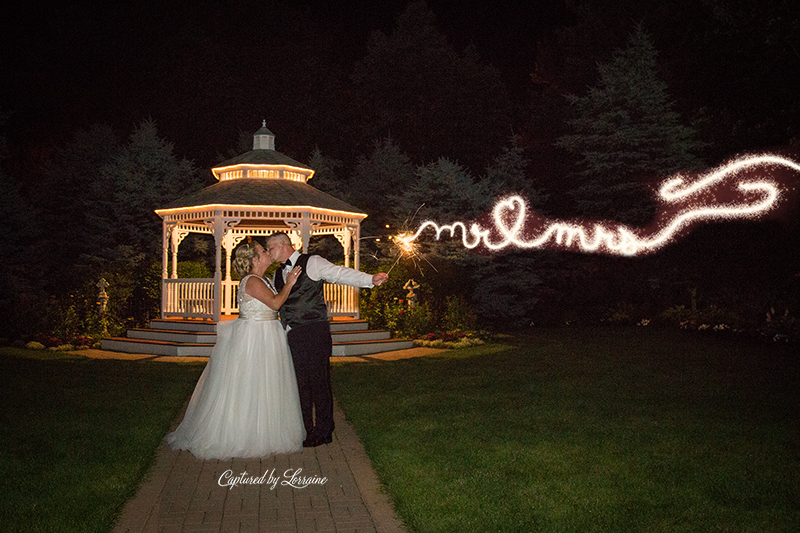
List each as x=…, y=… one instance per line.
x=143, y=176
x=443, y=191
x=626, y=133
x=432, y=100
x=326, y=175
x=387, y=171
x=508, y=175
x=505, y=287
x=74, y=196
x=19, y=288
x=97, y=219
x=17, y=213
x=22, y=250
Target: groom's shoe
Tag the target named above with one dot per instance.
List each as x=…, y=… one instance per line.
x=325, y=440
x=310, y=442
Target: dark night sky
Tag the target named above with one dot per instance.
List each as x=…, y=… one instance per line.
x=68, y=66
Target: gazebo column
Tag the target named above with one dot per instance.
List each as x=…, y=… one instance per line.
x=230, y=241
x=305, y=231
x=298, y=237
x=219, y=228
x=166, y=237
x=345, y=238
x=356, y=232
x=348, y=237
x=357, y=247
x=178, y=234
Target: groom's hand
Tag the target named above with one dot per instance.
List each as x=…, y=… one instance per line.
x=380, y=278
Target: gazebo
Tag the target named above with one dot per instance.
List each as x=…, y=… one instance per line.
x=258, y=193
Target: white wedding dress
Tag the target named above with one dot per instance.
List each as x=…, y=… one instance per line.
x=246, y=402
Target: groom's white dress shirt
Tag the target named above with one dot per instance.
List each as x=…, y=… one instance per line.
x=319, y=268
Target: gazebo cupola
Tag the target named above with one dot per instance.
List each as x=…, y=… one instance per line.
x=258, y=193
x=263, y=139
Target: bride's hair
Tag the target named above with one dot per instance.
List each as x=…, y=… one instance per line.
x=243, y=263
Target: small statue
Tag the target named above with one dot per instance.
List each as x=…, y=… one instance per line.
x=102, y=297
x=411, y=296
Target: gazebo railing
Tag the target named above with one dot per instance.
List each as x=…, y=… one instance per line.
x=230, y=302
x=342, y=300
x=194, y=298
x=188, y=298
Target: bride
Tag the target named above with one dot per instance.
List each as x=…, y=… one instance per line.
x=246, y=402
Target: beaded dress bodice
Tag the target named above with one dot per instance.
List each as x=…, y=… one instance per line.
x=251, y=308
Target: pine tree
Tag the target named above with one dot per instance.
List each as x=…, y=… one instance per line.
x=626, y=133
x=508, y=175
x=431, y=99
x=326, y=175
x=74, y=197
x=443, y=191
x=387, y=171
x=141, y=177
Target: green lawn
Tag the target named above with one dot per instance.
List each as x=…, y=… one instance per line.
x=78, y=434
x=586, y=430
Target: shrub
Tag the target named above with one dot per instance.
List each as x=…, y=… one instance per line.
x=622, y=314
x=780, y=326
x=458, y=315
x=62, y=348
x=418, y=321
x=448, y=341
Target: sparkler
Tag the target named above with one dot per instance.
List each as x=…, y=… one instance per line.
x=404, y=243
x=682, y=204
x=405, y=246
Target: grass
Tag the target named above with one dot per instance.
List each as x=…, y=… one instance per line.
x=581, y=430
x=79, y=434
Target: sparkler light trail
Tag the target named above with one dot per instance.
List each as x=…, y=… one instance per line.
x=681, y=204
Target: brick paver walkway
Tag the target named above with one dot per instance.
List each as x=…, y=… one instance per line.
x=183, y=494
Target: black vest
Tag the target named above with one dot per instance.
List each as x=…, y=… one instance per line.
x=306, y=301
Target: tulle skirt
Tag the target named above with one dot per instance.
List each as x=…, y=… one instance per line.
x=246, y=402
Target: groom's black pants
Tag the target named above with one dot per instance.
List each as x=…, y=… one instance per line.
x=311, y=347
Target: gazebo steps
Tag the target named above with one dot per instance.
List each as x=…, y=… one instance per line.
x=156, y=347
x=347, y=324
x=184, y=324
x=192, y=324
x=341, y=349
x=360, y=335
x=192, y=337
x=174, y=335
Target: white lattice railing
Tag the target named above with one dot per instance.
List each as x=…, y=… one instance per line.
x=194, y=298
x=188, y=298
x=342, y=300
x=230, y=302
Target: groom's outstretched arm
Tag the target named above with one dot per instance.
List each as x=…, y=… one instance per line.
x=320, y=268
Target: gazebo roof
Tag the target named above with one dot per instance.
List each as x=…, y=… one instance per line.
x=262, y=157
x=262, y=192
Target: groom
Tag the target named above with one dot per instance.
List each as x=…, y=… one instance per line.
x=305, y=315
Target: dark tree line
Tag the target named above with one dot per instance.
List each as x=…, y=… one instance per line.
x=621, y=95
